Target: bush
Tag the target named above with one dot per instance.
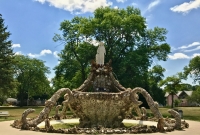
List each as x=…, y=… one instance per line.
x=177, y=102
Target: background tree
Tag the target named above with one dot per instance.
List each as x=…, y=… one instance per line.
x=194, y=87
x=172, y=84
x=193, y=69
x=31, y=76
x=155, y=75
x=7, y=83
x=186, y=87
x=129, y=44
x=195, y=97
x=73, y=67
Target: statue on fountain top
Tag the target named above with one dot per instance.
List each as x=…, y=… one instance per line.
x=101, y=51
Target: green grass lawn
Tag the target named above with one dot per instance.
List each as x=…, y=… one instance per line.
x=189, y=113
x=64, y=125
x=16, y=112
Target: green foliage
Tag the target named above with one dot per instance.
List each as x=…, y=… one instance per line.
x=193, y=69
x=129, y=44
x=7, y=83
x=195, y=97
x=186, y=87
x=155, y=75
x=73, y=67
x=194, y=87
x=177, y=102
x=31, y=76
x=172, y=84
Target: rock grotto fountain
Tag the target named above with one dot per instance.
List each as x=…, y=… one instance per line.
x=101, y=101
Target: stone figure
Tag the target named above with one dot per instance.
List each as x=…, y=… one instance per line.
x=101, y=51
x=160, y=125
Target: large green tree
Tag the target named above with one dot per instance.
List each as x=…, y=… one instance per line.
x=155, y=75
x=31, y=76
x=193, y=69
x=7, y=83
x=186, y=87
x=129, y=44
x=73, y=67
x=173, y=84
x=195, y=97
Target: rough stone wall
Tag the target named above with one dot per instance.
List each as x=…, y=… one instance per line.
x=97, y=108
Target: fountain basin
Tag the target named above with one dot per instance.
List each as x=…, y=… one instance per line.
x=101, y=108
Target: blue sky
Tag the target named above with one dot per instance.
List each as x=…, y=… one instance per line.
x=33, y=23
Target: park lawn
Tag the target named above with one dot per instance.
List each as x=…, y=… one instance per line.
x=189, y=113
x=16, y=112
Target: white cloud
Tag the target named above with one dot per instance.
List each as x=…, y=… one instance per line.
x=190, y=45
x=49, y=79
x=153, y=4
x=77, y=6
x=115, y=7
x=134, y=4
x=188, y=48
x=186, y=6
x=178, y=56
x=173, y=48
x=16, y=45
x=41, y=1
x=195, y=54
x=33, y=55
x=18, y=53
x=191, y=50
x=42, y=53
x=55, y=53
x=122, y=1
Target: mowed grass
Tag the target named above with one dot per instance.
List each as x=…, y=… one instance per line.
x=189, y=113
x=16, y=112
x=65, y=125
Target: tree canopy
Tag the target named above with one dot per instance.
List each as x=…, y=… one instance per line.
x=31, y=76
x=195, y=97
x=7, y=83
x=129, y=44
x=193, y=69
x=173, y=84
x=155, y=75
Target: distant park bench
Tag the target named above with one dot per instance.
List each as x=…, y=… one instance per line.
x=4, y=114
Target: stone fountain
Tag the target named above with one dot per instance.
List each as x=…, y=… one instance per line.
x=100, y=101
